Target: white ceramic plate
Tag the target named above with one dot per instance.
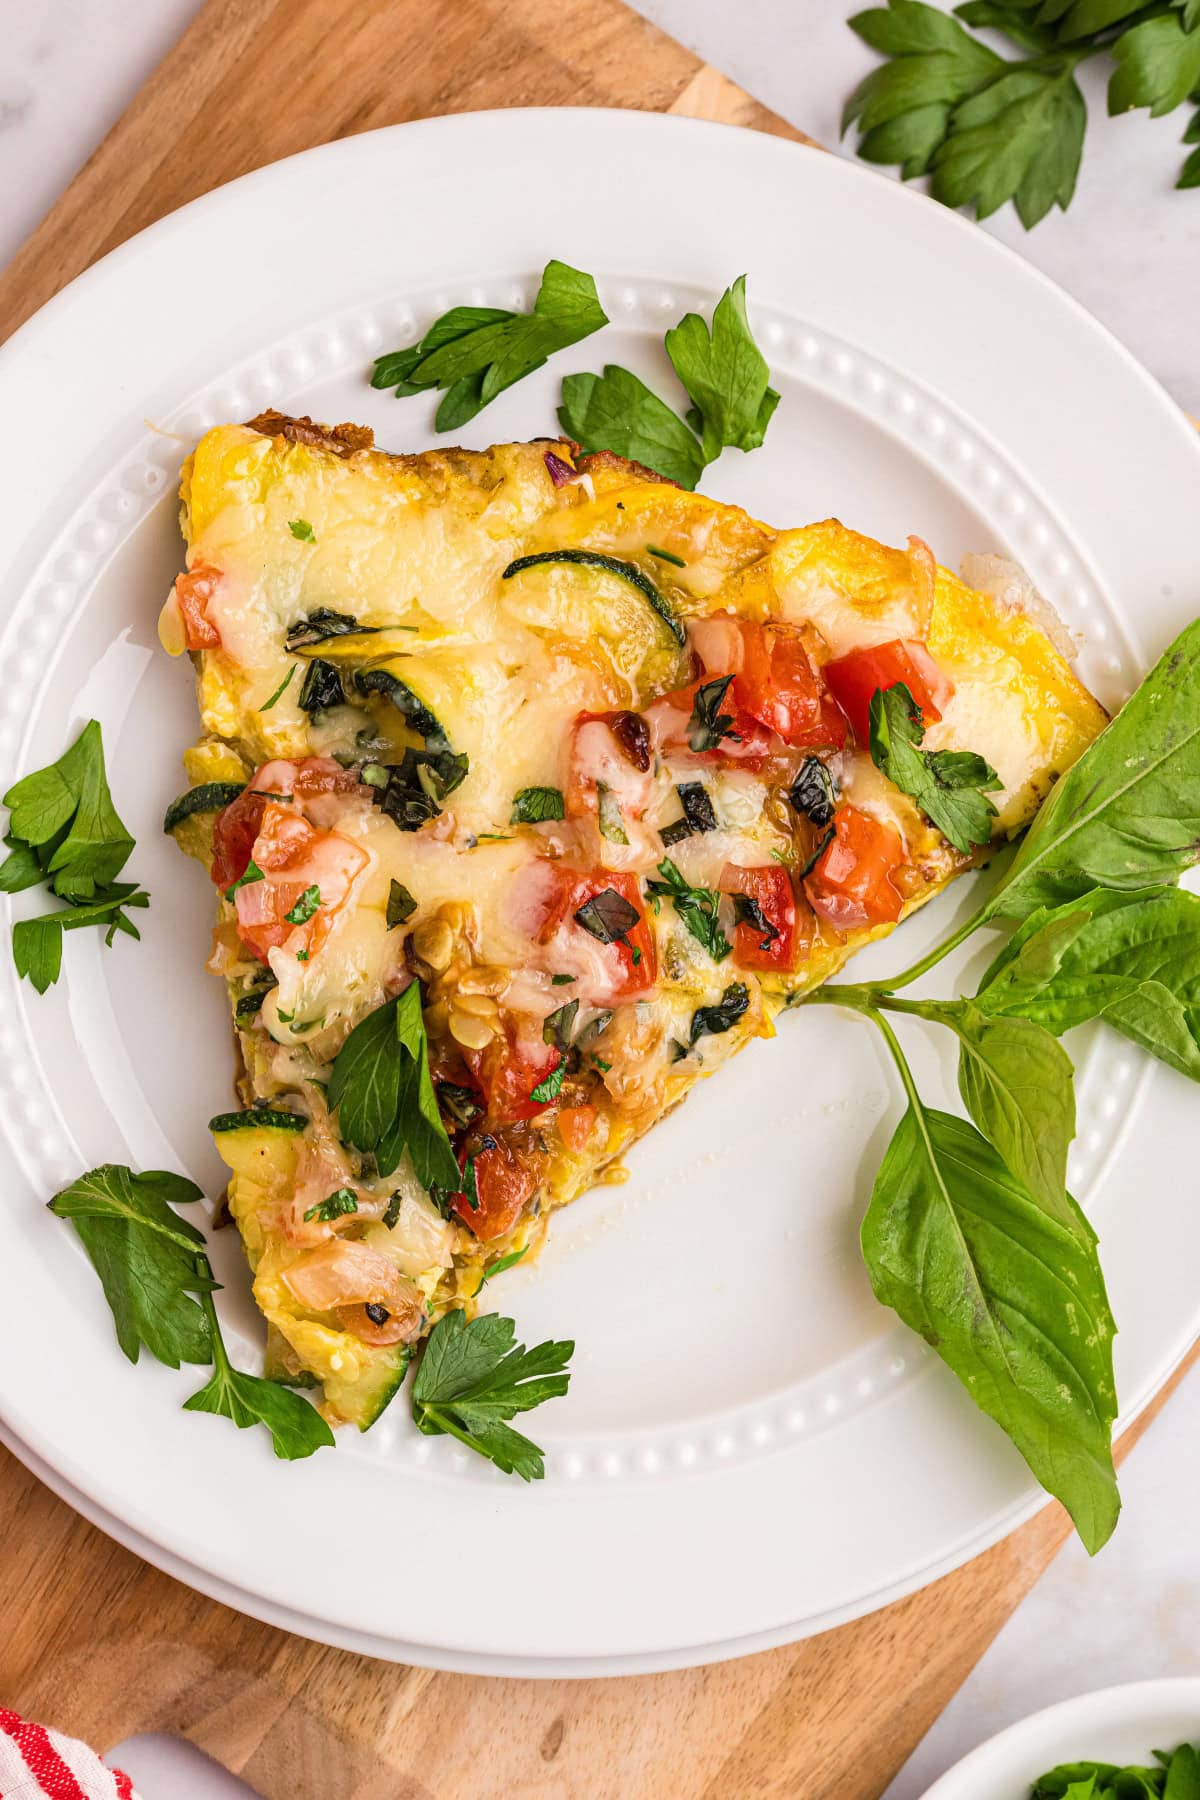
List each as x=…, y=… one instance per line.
x=1118, y=1725
x=751, y=1449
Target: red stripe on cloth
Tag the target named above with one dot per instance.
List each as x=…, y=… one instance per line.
x=124, y=1785
x=41, y=1758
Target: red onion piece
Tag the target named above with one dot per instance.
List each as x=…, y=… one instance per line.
x=560, y=472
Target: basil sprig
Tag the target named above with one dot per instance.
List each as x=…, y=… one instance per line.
x=971, y=1233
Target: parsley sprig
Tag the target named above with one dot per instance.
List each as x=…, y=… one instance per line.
x=65, y=834
x=988, y=129
x=475, y=352
x=474, y=1377
x=159, y=1285
x=950, y=786
x=727, y=381
x=696, y=907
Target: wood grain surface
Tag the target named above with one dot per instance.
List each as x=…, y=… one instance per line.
x=95, y=1640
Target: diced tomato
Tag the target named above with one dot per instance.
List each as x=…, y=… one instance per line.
x=630, y=963
x=238, y=825
x=612, y=748
x=504, y=1184
x=294, y=857
x=851, y=884
x=771, y=888
x=575, y=1125
x=854, y=679
x=745, y=742
x=778, y=686
x=193, y=591
x=508, y=1070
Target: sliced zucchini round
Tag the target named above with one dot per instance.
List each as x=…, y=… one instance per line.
x=255, y=1119
x=410, y=706
x=613, y=565
x=210, y=796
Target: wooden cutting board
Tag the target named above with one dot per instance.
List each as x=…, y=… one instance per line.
x=95, y=1640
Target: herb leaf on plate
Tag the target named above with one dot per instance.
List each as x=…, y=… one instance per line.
x=66, y=812
x=725, y=375
x=474, y=1377
x=296, y=1427
x=1010, y=1296
x=950, y=786
x=383, y=1094
x=151, y=1263
x=474, y=353
x=1127, y=814
x=1017, y=1083
x=1132, y=960
x=615, y=411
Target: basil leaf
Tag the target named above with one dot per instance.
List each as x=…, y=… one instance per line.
x=708, y=724
x=558, y=1027
x=364, y=1085
x=550, y=1086
x=608, y=916
x=748, y=911
x=615, y=411
x=722, y=1015
x=150, y=1262
x=320, y=624
x=400, y=904
x=725, y=375
x=948, y=785
x=1132, y=960
x=534, y=805
x=1010, y=1296
x=697, y=908
x=475, y=353
x=813, y=794
x=1017, y=1083
x=305, y=907
x=337, y=1206
x=1127, y=815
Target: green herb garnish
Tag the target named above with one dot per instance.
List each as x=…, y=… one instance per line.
x=708, y=724
x=280, y=690
x=608, y=916
x=550, y=1085
x=400, y=905
x=696, y=908
x=383, y=1096
x=667, y=556
x=337, y=1206
x=159, y=1283
x=950, y=786
x=987, y=129
x=474, y=1377
x=305, y=907
x=300, y=528
x=475, y=352
x=1175, y=1776
x=534, y=805
x=250, y=874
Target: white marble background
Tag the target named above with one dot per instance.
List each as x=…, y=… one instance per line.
x=1129, y=249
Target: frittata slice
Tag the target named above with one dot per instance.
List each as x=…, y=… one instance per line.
x=584, y=754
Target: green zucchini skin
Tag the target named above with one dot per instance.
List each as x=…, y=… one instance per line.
x=594, y=559
x=409, y=705
x=262, y=1117
x=210, y=796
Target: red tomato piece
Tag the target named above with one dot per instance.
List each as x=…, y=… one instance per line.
x=778, y=686
x=239, y=824
x=575, y=1125
x=193, y=591
x=746, y=742
x=504, y=1184
x=851, y=884
x=233, y=837
x=771, y=888
x=293, y=858
x=631, y=963
x=614, y=749
x=854, y=679
x=508, y=1070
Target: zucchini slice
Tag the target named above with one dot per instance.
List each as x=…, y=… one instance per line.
x=594, y=559
x=255, y=1119
x=210, y=796
x=410, y=706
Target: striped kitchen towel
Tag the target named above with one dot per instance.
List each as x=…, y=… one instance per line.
x=36, y=1764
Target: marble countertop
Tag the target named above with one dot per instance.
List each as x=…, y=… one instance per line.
x=1128, y=250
